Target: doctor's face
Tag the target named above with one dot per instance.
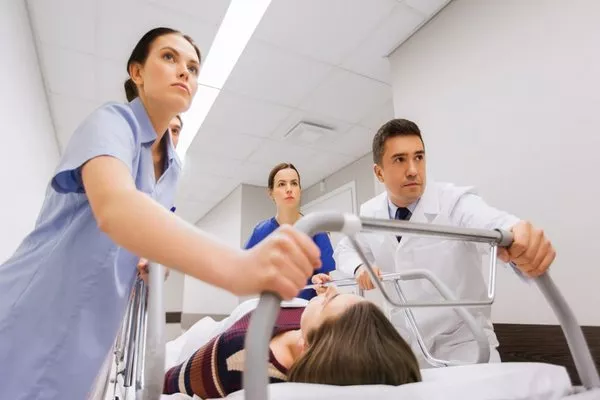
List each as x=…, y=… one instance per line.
x=402, y=169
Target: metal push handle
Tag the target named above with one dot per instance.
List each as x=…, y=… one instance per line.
x=255, y=378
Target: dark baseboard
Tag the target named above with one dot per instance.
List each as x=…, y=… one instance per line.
x=543, y=343
x=173, y=317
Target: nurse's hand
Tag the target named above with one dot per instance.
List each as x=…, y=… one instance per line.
x=142, y=268
x=364, y=279
x=319, y=279
x=281, y=263
x=531, y=250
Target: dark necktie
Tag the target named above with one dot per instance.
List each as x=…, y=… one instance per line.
x=402, y=213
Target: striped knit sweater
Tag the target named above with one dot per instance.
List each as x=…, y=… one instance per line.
x=215, y=370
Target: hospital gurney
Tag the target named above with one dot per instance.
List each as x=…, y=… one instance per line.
x=127, y=375
x=255, y=379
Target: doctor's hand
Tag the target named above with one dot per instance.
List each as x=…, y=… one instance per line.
x=281, y=263
x=364, y=279
x=319, y=279
x=142, y=268
x=531, y=250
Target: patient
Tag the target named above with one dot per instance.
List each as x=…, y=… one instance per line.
x=336, y=339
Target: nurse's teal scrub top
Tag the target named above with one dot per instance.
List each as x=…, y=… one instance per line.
x=264, y=229
x=65, y=290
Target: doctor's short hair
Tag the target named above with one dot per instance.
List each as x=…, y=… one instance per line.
x=276, y=169
x=141, y=51
x=392, y=128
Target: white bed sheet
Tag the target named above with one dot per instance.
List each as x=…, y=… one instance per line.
x=477, y=382
x=506, y=381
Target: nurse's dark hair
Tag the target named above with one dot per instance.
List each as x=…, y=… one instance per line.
x=180, y=121
x=393, y=128
x=142, y=49
x=276, y=169
x=358, y=347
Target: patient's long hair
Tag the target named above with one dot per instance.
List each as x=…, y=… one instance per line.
x=360, y=347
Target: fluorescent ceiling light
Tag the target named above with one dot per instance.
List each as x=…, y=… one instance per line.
x=237, y=27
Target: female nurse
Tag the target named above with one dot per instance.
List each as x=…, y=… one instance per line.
x=65, y=289
x=284, y=188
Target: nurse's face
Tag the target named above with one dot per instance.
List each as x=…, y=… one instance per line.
x=402, y=169
x=175, y=129
x=169, y=77
x=325, y=306
x=286, y=189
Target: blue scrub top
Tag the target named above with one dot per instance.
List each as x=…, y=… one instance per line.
x=65, y=290
x=264, y=229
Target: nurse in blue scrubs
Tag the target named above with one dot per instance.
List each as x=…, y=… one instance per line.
x=64, y=292
x=284, y=188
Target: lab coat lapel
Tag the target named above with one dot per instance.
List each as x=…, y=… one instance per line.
x=426, y=211
x=382, y=212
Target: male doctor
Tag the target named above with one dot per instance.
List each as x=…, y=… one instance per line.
x=399, y=157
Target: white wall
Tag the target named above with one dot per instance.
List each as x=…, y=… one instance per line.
x=223, y=222
x=360, y=171
x=30, y=152
x=506, y=94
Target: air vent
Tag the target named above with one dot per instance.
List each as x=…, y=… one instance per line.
x=308, y=133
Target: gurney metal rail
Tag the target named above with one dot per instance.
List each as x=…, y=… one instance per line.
x=255, y=378
x=136, y=366
x=483, y=346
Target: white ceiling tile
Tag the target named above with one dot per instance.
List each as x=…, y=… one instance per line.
x=320, y=166
x=275, y=74
x=68, y=113
x=255, y=173
x=274, y=152
x=118, y=32
x=204, y=10
x=357, y=142
x=66, y=23
x=370, y=58
x=240, y=114
x=347, y=96
x=379, y=116
x=201, y=32
x=296, y=116
x=324, y=30
x=205, y=163
x=427, y=7
x=223, y=143
x=69, y=72
x=202, y=186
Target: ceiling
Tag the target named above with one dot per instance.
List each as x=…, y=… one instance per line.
x=319, y=61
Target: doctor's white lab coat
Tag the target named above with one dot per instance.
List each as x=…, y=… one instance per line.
x=458, y=264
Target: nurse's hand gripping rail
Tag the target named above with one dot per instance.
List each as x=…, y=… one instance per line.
x=255, y=378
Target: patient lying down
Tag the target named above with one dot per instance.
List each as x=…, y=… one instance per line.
x=336, y=339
